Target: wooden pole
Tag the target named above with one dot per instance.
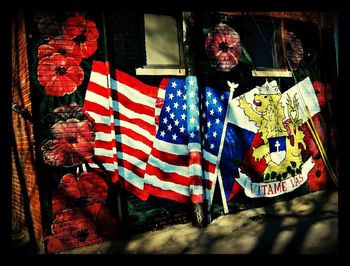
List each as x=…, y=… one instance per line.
x=198, y=216
x=120, y=196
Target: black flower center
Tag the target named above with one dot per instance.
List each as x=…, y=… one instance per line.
x=80, y=38
x=72, y=140
x=223, y=47
x=318, y=173
x=83, y=234
x=62, y=51
x=60, y=70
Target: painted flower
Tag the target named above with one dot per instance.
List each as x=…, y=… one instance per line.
x=73, y=142
x=308, y=138
x=88, y=225
x=62, y=46
x=64, y=112
x=318, y=176
x=83, y=32
x=294, y=48
x=60, y=75
x=223, y=48
x=73, y=192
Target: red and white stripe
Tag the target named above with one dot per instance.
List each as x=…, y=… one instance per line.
x=209, y=162
x=168, y=173
x=123, y=110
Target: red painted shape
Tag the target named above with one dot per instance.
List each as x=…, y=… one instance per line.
x=80, y=215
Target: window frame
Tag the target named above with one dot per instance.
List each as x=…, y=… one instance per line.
x=166, y=69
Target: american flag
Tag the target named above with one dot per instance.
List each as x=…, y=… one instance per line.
x=124, y=111
x=213, y=111
x=174, y=166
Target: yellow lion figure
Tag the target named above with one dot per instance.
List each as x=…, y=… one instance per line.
x=266, y=112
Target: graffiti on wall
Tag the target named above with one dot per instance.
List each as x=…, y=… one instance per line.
x=223, y=47
x=168, y=140
x=72, y=139
x=80, y=215
x=295, y=51
x=59, y=70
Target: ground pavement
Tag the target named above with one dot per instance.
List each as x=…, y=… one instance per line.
x=303, y=225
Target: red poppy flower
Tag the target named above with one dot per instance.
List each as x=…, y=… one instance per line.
x=308, y=138
x=74, y=141
x=64, y=112
x=60, y=45
x=89, y=225
x=318, y=176
x=83, y=32
x=59, y=75
x=87, y=189
x=294, y=48
x=223, y=47
x=320, y=90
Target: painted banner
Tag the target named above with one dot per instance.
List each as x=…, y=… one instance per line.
x=272, y=189
x=267, y=140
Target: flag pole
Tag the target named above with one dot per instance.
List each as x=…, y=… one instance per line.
x=109, y=88
x=222, y=192
x=317, y=139
x=319, y=144
x=187, y=24
x=314, y=132
x=120, y=196
x=217, y=173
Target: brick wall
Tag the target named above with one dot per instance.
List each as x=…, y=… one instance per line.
x=74, y=204
x=25, y=194
x=79, y=210
x=154, y=214
x=127, y=41
x=81, y=217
